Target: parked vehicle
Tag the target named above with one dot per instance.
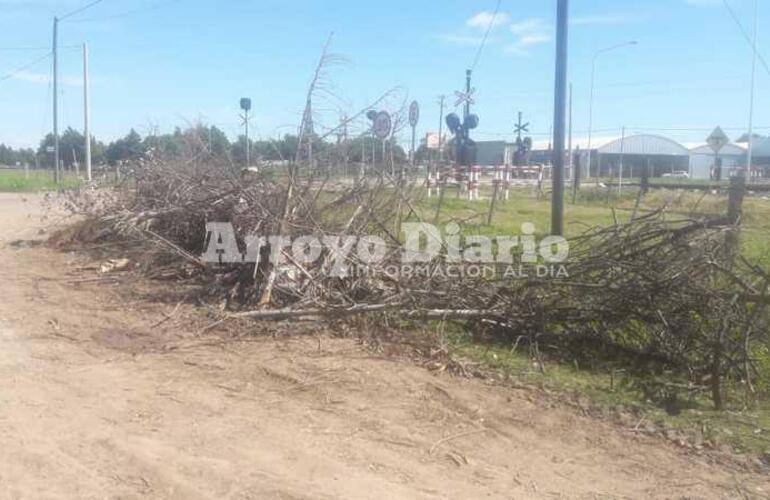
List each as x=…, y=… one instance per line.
x=677, y=175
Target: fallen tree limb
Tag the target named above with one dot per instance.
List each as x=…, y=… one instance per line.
x=416, y=314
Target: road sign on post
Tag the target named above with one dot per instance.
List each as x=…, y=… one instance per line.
x=382, y=125
x=414, y=119
x=717, y=141
x=414, y=113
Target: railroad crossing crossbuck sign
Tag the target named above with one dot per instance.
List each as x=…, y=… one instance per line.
x=465, y=97
x=520, y=128
x=717, y=140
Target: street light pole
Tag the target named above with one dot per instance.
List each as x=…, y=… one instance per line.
x=56, y=99
x=87, y=113
x=591, y=101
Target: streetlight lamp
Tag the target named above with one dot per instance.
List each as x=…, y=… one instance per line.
x=591, y=102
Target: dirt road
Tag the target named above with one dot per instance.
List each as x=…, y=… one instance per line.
x=94, y=404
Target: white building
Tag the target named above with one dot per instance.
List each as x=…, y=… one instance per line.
x=702, y=159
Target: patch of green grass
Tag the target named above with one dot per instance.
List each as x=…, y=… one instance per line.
x=595, y=208
x=509, y=215
x=744, y=431
x=14, y=181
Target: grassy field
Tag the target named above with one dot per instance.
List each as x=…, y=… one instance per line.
x=593, y=208
x=15, y=181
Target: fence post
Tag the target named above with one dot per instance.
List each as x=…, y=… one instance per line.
x=735, y=204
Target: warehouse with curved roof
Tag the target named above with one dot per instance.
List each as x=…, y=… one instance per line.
x=638, y=155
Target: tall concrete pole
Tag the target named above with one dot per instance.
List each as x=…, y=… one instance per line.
x=441, y=129
x=248, y=144
x=56, y=99
x=750, y=155
x=560, y=116
x=569, y=146
x=87, y=113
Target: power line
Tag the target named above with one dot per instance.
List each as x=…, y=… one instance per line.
x=81, y=9
x=128, y=13
x=23, y=48
x=10, y=49
x=746, y=35
x=486, y=35
x=26, y=66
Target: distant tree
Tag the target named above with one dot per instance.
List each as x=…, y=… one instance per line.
x=217, y=142
x=238, y=151
x=72, y=147
x=7, y=155
x=423, y=154
x=166, y=146
x=128, y=148
x=369, y=146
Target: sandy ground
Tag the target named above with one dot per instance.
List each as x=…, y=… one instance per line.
x=94, y=405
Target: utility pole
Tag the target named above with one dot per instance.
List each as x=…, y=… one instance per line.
x=245, y=107
x=570, y=165
x=441, y=128
x=560, y=102
x=750, y=155
x=56, y=99
x=87, y=112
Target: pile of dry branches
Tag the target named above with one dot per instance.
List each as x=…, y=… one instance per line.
x=656, y=296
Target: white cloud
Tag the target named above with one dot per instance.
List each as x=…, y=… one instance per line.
x=528, y=26
x=45, y=79
x=468, y=40
x=529, y=33
x=486, y=20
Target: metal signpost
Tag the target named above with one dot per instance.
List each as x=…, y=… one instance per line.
x=520, y=127
x=246, y=107
x=381, y=127
x=414, y=118
x=523, y=146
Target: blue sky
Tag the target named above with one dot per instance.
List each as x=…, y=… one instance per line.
x=166, y=63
